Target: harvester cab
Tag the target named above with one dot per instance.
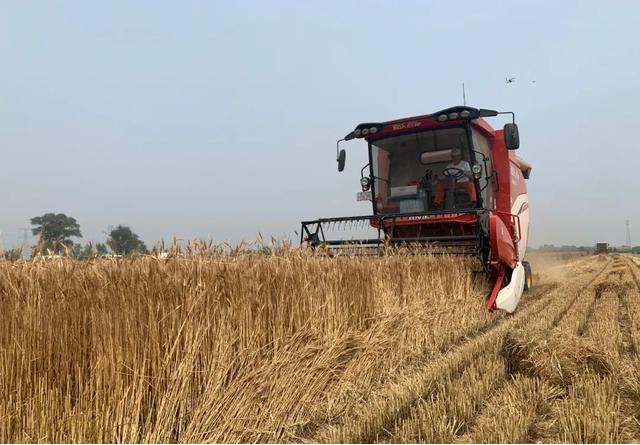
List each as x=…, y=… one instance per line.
x=445, y=181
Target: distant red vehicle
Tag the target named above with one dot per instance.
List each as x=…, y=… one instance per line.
x=446, y=179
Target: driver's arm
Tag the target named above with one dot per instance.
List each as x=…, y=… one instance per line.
x=439, y=176
x=467, y=171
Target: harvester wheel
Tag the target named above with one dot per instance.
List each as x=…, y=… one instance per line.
x=528, y=276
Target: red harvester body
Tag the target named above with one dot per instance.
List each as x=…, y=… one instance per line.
x=447, y=180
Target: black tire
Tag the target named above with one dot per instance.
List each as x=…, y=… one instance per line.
x=528, y=276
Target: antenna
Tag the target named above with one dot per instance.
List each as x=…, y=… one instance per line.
x=628, y=235
x=464, y=96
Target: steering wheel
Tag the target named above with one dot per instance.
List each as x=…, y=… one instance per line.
x=454, y=172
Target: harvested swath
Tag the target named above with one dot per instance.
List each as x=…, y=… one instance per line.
x=618, y=287
x=617, y=273
x=589, y=414
x=604, y=328
x=451, y=407
x=558, y=358
x=630, y=363
x=630, y=381
x=511, y=416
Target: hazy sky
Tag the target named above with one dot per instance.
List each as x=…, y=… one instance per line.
x=200, y=119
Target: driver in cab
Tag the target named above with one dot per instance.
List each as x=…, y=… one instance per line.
x=456, y=167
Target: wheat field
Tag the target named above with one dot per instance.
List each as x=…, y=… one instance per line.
x=300, y=347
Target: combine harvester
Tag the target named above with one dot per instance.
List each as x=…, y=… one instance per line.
x=447, y=181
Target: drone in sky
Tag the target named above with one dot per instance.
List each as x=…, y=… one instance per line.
x=509, y=80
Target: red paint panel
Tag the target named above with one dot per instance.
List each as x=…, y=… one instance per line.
x=502, y=246
x=501, y=167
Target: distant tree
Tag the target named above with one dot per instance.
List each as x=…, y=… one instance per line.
x=76, y=250
x=88, y=251
x=123, y=241
x=54, y=231
x=102, y=249
x=11, y=254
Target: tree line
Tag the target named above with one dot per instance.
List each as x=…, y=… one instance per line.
x=55, y=233
x=572, y=248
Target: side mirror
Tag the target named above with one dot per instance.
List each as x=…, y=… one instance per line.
x=342, y=158
x=511, y=136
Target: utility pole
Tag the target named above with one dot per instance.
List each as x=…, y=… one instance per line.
x=628, y=235
x=25, y=244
